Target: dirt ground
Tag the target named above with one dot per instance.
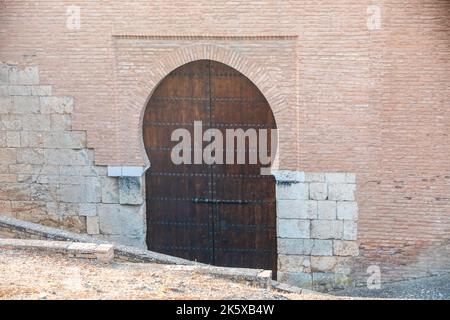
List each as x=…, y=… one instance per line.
x=34, y=275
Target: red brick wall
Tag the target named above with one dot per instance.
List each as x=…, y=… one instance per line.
x=372, y=102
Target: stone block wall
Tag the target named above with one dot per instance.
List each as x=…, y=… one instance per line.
x=317, y=228
x=47, y=172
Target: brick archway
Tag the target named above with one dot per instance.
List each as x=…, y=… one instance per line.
x=163, y=65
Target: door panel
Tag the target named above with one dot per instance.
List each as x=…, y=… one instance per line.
x=222, y=214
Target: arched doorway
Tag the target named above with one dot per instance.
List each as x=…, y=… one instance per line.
x=221, y=214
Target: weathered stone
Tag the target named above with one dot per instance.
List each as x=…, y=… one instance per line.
x=294, y=263
x=345, y=248
x=58, y=105
x=67, y=157
x=4, y=91
x=8, y=177
x=21, y=168
x=65, y=139
x=32, y=122
x=15, y=191
x=28, y=75
x=41, y=90
x=105, y=253
x=335, y=177
x=318, y=191
x=314, y=177
x=299, y=279
x=60, y=122
x=136, y=241
x=288, y=176
x=350, y=177
x=4, y=73
x=347, y=210
x=326, y=210
x=293, y=228
x=89, y=192
x=121, y=220
x=43, y=192
x=32, y=139
x=341, y=192
x=326, y=229
x=28, y=207
x=350, y=230
x=63, y=209
x=297, y=209
x=292, y=191
x=19, y=90
x=13, y=139
x=110, y=190
x=295, y=246
x=322, y=248
x=323, y=263
x=130, y=190
x=322, y=281
x=88, y=209
x=5, y=104
x=8, y=156
x=31, y=156
x=92, y=225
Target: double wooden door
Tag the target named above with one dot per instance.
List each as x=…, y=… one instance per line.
x=220, y=214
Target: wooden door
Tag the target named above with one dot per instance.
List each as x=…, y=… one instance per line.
x=221, y=214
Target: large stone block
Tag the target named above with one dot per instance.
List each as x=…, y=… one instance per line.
x=350, y=230
x=65, y=139
x=130, y=190
x=19, y=90
x=292, y=191
x=326, y=210
x=327, y=229
x=345, y=248
x=294, y=263
x=4, y=74
x=28, y=75
x=4, y=91
x=314, y=177
x=41, y=90
x=5, y=105
x=295, y=246
x=30, y=156
x=13, y=139
x=318, y=191
x=335, y=177
x=58, y=105
x=67, y=157
x=121, y=220
x=32, y=139
x=8, y=156
x=110, y=190
x=323, y=263
x=321, y=248
x=347, y=210
x=15, y=191
x=293, y=228
x=31, y=122
x=297, y=209
x=288, y=176
x=92, y=225
x=89, y=192
x=88, y=209
x=298, y=279
x=341, y=192
x=323, y=281
x=60, y=122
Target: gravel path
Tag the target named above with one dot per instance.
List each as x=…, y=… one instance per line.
x=34, y=275
x=429, y=288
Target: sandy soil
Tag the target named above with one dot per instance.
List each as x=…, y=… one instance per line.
x=34, y=275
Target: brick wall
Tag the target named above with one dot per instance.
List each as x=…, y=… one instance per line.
x=351, y=98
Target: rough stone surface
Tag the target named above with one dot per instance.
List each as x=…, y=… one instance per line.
x=293, y=228
x=326, y=210
x=292, y=191
x=327, y=229
x=341, y=192
x=130, y=190
x=345, y=248
x=347, y=210
x=318, y=191
x=297, y=209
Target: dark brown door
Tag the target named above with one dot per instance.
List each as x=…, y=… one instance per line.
x=221, y=214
